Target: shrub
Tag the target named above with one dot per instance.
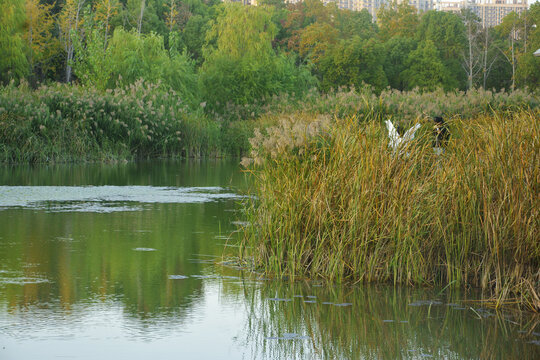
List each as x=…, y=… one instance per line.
x=63, y=122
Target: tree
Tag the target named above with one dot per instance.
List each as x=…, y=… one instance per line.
x=528, y=66
x=508, y=31
x=472, y=56
x=397, y=20
x=104, y=10
x=396, y=52
x=447, y=32
x=354, y=62
x=303, y=14
x=241, y=65
x=130, y=57
x=70, y=21
x=316, y=40
x=425, y=69
x=191, y=36
x=528, y=73
x=355, y=23
x=489, y=54
x=171, y=15
x=142, y=16
x=13, y=63
x=177, y=14
x=38, y=32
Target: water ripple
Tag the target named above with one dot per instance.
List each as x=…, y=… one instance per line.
x=104, y=198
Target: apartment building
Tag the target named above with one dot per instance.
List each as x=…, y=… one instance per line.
x=491, y=12
x=372, y=6
x=450, y=6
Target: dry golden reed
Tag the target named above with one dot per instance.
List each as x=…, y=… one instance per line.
x=340, y=205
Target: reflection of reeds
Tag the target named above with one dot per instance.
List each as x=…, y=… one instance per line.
x=360, y=332
x=340, y=206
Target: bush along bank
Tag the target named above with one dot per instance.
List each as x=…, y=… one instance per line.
x=59, y=122
x=69, y=123
x=366, y=104
x=333, y=201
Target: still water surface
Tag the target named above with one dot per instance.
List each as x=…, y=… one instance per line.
x=128, y=261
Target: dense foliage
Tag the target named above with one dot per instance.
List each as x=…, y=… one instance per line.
x=220, y=53
x=226, y=63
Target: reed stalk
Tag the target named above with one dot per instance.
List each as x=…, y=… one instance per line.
x=334, y=202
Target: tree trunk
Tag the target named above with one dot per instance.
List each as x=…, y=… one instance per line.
x=69, y=59
x=139, y=23
x=513, y=61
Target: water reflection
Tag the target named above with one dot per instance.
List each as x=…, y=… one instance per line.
x=74, y=256
x=189, y=173
x=151, y=281
x=297, y=321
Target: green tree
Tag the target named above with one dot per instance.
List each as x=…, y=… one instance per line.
x=142, y=15
x=472, y=54
x=130, y=57
x=240, y=64
x=528, y=71
x=104, y=11
x=315, y=41
x=397, y=20
x=425, y=69
x=355, y=23
x=528, y=66
x=510, y=41
x=396, y=52
x=447, y=32
x=192, y=36
x=300, y=16
x=354, y=62
x=13, y=62
x=70, y=21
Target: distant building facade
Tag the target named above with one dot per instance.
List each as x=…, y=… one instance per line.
x=450, y=6
x=490, y=12
x=372, y=6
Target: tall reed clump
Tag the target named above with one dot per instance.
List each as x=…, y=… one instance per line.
x=333, y=201
x=364, y=103
x=67, y=122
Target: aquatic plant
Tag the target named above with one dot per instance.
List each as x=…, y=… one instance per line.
x=340, y=206
x=364, y=103
x=63, y=122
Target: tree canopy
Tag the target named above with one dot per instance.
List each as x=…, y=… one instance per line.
x=218, y=53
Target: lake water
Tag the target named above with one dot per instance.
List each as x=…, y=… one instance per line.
x=130, y=261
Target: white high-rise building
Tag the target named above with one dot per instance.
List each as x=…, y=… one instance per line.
x=491, y=12
x=372, y=6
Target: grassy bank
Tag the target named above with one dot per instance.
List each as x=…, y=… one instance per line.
x=366, y=104
x=60, y=123
x=334, y=202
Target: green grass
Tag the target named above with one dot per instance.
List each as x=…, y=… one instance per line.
x=334, y=202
